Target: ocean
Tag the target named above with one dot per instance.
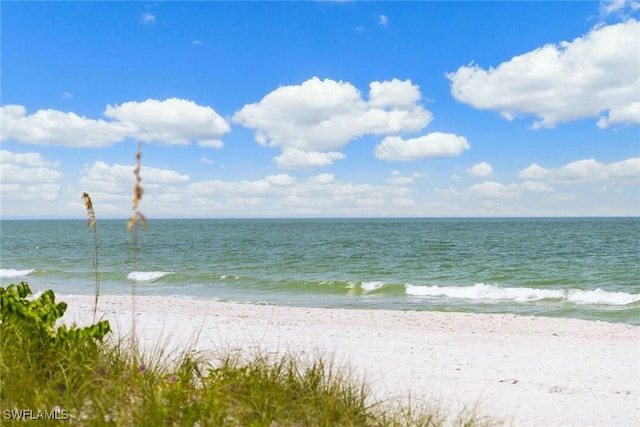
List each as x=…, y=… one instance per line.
x=586, y=268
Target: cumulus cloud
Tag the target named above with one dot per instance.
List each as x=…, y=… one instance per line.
x=52, y=127
x=596, y=75
x=436, y=144
x=491, y=190
x=481, y=170
x=383, y=20
x=28, y=176
x=103, y=172
x=587, y=171
x=611, y=6
x=629, y=113
x=295, y=159
x=322, y=179
x=394, y=93
x=533, y=171
x=173, y=121
x=397, y=178
x=318, y=195
x=281, y=180
x=211, y=143
x=110, y=186
x=320, y=116
x=30, y=159
x=618, y=7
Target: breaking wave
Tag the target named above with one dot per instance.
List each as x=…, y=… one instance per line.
x=147, y=276
x=482, y=291
x=10, y=272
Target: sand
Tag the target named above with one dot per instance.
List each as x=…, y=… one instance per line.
x=526, y=371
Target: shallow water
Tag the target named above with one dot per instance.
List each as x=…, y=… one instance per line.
x=565, y=267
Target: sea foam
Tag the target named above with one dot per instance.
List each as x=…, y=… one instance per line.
x=598, y=296
x=371, y=286
x=365, y=287
x=10, y=272
x=146, y=276
x=482, y=291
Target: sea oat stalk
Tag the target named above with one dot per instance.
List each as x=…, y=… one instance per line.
x=137, y=196
x=132, y=227
x=91, y=222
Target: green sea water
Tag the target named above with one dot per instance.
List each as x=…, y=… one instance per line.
x=564, y=267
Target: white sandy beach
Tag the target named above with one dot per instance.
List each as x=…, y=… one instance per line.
x=527, y=371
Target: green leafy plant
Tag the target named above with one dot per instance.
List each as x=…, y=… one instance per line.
x=36, y=351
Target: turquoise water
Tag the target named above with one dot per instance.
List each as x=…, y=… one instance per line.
x=564, y=267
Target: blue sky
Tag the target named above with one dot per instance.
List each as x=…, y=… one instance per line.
x=321, y=109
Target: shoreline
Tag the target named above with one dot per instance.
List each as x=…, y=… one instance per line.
x=524, y=370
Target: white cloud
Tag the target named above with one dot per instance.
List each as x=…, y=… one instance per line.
x=319, y=195
x=481, y=170
x=52, y=127
x=608, y=7
x=115, y=182
x=401, y=180
x=173, y=121
x=28, y=177
x=618, y=7
x=324, y=115
x=322, y=179
x=629, y=113
x=593, y=75
x=383, y=20
x=211, y=143
x=436, y=144
x=110, y=187
x=295, y=159
x=29, y=159
x=587, y=171
x=101, y=171
x=533, y=171
x=18, y=174
x=281, y=180
x=147, y=18
x=394, y=93
x=493, y=190
x=536, y=186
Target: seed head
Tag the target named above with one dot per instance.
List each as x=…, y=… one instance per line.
x=137, y=196
x=91, y=216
